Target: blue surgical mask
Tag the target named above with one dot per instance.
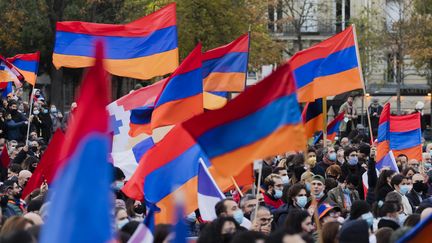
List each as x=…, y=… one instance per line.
x=308, y=187
x=122, y=223
x=346, y=191
x=238, y=216
x=319, y=195
x=119, y=185
x=353, y=160
x=301, y=201
x=404, y=189
x=278, y=193
x=285, y=180
x=368, y=217
x=402, y=217
x=332, y=156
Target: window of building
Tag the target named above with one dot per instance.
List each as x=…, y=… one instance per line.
x=311, y=16
x=339, y=13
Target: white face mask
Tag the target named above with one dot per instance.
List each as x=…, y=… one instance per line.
x=122, y=223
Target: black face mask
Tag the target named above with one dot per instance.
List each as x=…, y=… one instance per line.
x=139, y=209
x=227, y=237
x=420, y=187
x=34, y=149
x=332, y=176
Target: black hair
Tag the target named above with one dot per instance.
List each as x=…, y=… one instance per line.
x=294, y=220
x=293, y=191
x=352, y=179
x=412, y=220
x=382, y=179
x=349, y=150
x=161, y=232
x=388, y=207
x=397, y=180
x=248, y=236
x=220, y=206
x=277, y=169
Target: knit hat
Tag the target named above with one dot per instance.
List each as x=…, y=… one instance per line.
x=358, y=208
x=318, y=178
x=354, y=231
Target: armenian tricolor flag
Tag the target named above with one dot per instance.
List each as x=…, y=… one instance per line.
x=9, y=73
x=332, y=128
x=312, y=117
x=141, y=49
x=181, y=97
x=328, y=68
x=225, y=70
x=256, y=124
x=384, y=156
x=405, y=136
x=27, y=65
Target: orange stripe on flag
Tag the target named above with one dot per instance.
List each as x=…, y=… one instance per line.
x=143, y=67
x=412, y=153
x=233, y=82
x=337, y=83
x=164, y=115
x=276, y=143
x=30, y=77
x=213, y=102
x=306, y=91
x=313, y=125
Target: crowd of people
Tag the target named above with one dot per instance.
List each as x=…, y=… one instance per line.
x=330, y=193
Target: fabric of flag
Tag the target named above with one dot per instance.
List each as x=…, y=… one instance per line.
x=48, y=165
x=312, y=117
x=9, y=73
x=225, y=70
x=5, y=161
x=256, y=124
x=145, y=231
x=405, y=136
x=6, y=89
x=181, y=97
x=86, y=175
x=128, y=160
x=420, y=233
x=27, y=65
x=142, y=49
x=214, y=100
x=125, y=133
x=328, y=68
x=332, y=129
x=209, y=193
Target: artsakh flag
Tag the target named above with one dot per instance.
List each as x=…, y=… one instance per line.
x=142, y=49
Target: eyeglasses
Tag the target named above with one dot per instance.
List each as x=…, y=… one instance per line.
x=266, y=220
x=300, y=195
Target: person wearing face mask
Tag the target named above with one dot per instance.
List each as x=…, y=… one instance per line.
x=334, y=171
x=273, y=194
x=297, y=198
x=345, y=194
x=46, y=123
x=427, y=161
x=349, y=122
x=318, y=191
x=121, y=217
x=329, y=158
x=418, y=192
x=353, y=167
x=229, y=208
x=282, y=172
x=311, y=163
x=15, y=129
x=361, y=210
x=401, y=185
x=56, y=118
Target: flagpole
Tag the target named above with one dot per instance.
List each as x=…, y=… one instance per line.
x=248, y=54
x=324, y=108
x=236, y=186
x=363, y=83
x=30, y=114
x=258, y=187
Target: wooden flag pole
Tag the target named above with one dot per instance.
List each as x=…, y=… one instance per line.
x=258, y=187
x=363, y=82
x=236, y=186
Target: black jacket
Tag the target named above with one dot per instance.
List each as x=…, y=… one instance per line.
x=383, y=191
x=413, y=197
